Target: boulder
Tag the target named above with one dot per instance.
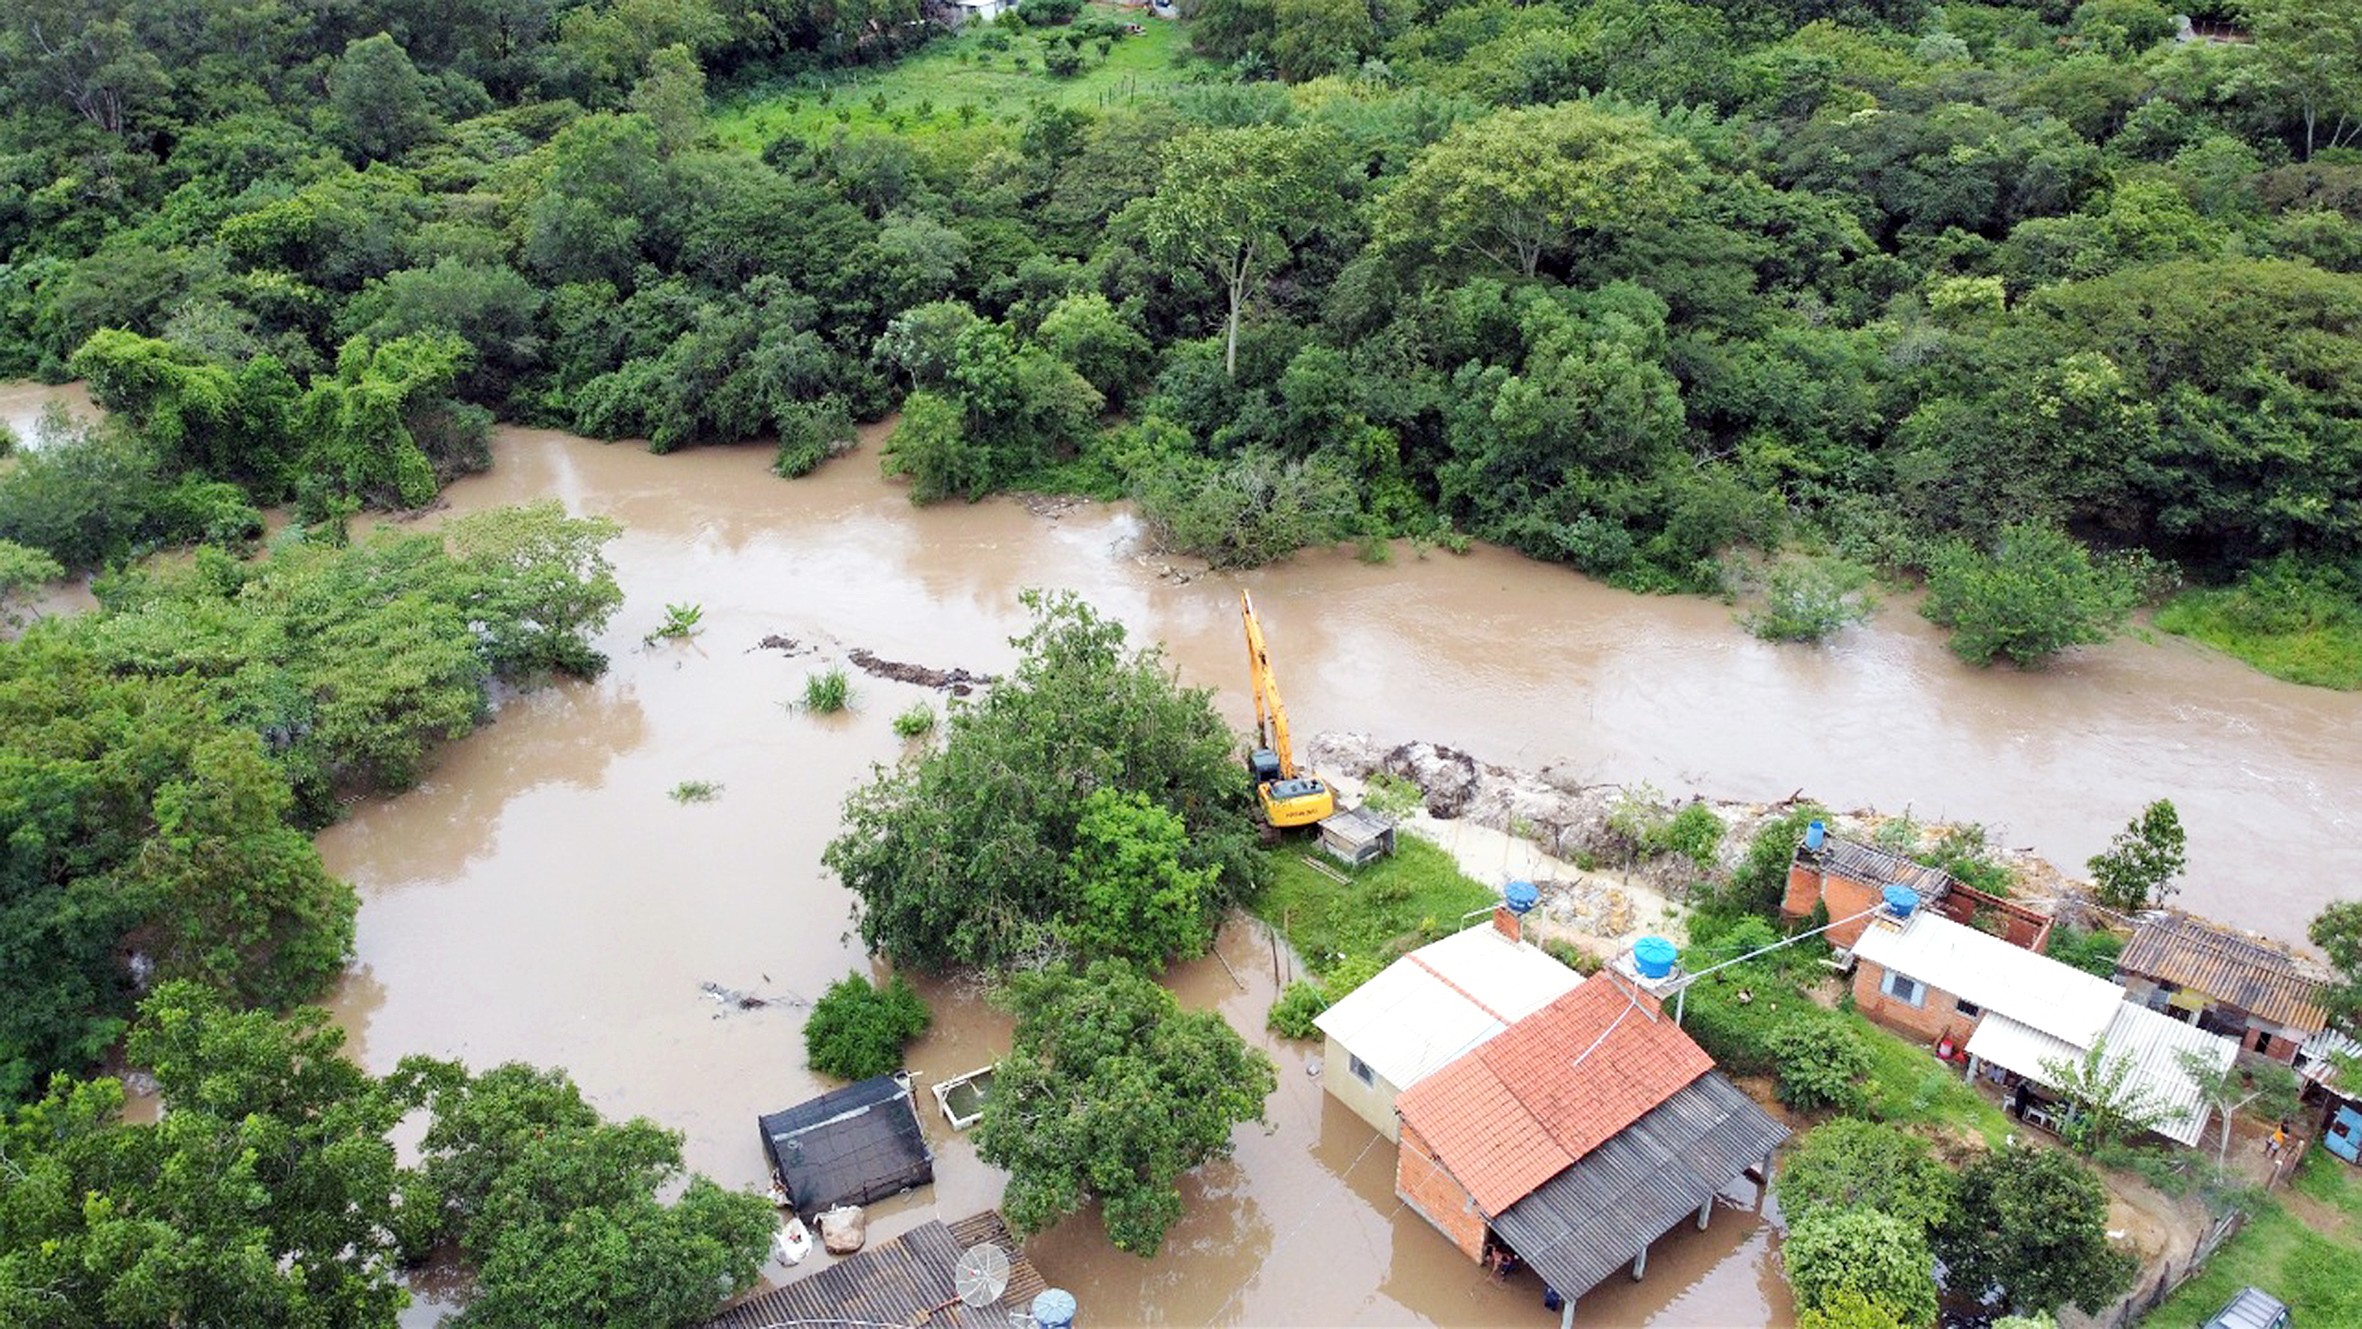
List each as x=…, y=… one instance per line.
x=843, y=1229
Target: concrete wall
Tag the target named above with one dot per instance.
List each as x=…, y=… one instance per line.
x=1438, y=1197
x=1938, y=1015
x=1373, y=1103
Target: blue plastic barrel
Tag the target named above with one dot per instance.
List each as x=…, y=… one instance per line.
x=1654, y=957
x=1815, y=834
x=1054, y=1309
x=1900, y=900
x=1521, y=897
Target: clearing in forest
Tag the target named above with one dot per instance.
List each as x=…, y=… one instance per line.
x=990, y=67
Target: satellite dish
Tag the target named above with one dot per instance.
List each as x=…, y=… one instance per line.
x=982, y=1274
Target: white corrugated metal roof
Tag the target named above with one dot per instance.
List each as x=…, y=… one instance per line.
x=2152, y=1042
x=2034, y=990
x=1442, y=1000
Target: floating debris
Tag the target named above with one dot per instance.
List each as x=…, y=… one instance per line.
x=958, y=682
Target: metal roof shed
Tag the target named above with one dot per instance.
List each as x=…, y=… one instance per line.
x=1602, y=1212
x=2152, y=1043
x=849, y=1146
x=2235, y=970
x=1443, y=999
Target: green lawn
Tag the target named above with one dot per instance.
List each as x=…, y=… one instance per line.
x=1909, y=1087
x=2289, y=627
x=926, y=92
x=1418, y=894
x=2310, y=1269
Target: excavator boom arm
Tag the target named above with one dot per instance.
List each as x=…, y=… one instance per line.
x=1271, y=718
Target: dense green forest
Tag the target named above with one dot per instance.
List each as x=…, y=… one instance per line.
x=1624, y=284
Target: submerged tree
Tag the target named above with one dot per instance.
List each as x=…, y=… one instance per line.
x=1110, y=1093
x=962, y=856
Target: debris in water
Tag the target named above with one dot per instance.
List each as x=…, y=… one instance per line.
x=731, y=999
x=958, y=682
x=784, y=645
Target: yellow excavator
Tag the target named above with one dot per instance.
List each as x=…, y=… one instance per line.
x=1289, y=798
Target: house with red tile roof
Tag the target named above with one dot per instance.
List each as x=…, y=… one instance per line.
x=1578, y=1135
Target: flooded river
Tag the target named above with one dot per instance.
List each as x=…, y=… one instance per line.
x=540, y=897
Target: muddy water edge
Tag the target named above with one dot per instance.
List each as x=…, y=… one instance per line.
x=541, y=898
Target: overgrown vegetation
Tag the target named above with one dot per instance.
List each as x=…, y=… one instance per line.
x=1910, y=287
x=917, y=721
x=162, y=759
x=1414, y=896
x=858, y=1030
x=2290, y=619
x=270, y=1184
x=695, y=791
x=827, y=692
x=1116, y=803
x=1111, y=1093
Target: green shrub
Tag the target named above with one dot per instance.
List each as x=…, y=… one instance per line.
x=1881, y=1258
x=679, y=621
x=915, y=722
x=2091, y=952
x=1820, y=1064
x=1695, y=833
x=811, y=433
x=696, y=791
x=1812, y=600
x=2036, y=594
x=1572, y=956
x=827, y=692
x=1392, y=795
x=857, y=1030
x=1292, y=1015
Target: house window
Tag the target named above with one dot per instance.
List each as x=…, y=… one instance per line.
x=1361, y=1069
x=1967, y=1008
x=1909, y=991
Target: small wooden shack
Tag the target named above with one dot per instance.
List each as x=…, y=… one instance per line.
x=849, y=1146
x=1357, y=837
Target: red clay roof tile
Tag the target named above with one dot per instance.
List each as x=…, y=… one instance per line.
x=1549, y=1089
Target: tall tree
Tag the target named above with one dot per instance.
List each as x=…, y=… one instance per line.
x=2311, y=50
x=2137, y=869
x=2032, y=1226
x=1110, y=1093
x=380, y=99
x=1232, y=201
x=1522, y=185
x=946, y=878
x=2337, y=930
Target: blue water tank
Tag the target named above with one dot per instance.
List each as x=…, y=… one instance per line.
x=1900, y=900
x=1521, y=897
x=1653, y=957
x=1054, y=1309
x=1815, y=835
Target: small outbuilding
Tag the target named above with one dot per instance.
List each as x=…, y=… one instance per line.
x=1357, y=836
x=2224, y=982
x=849, y=1146
x=1432, y=1005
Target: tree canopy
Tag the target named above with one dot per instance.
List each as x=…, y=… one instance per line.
x=2032, y=1226
x=1110, y=1093
x=1107, y=778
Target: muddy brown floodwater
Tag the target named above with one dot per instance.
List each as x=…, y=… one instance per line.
x=541, y=898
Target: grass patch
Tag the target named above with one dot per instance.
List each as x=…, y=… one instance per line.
x=1392, y=905
x=919, y=720
x=2323, y=1177
x=2293, y=622
x=2309, y=1270
x=695, y=791
x=925, y=93
x=827, y=692
x=1909, y=1087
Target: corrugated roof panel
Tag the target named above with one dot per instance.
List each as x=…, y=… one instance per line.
x=2034, y=990
x=2236, y=970
x=1559, y=1083
x=1596, y=1216
x=1442, y=1001
x=2152, y=1043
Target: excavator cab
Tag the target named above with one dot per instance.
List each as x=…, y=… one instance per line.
x=1298, y=802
